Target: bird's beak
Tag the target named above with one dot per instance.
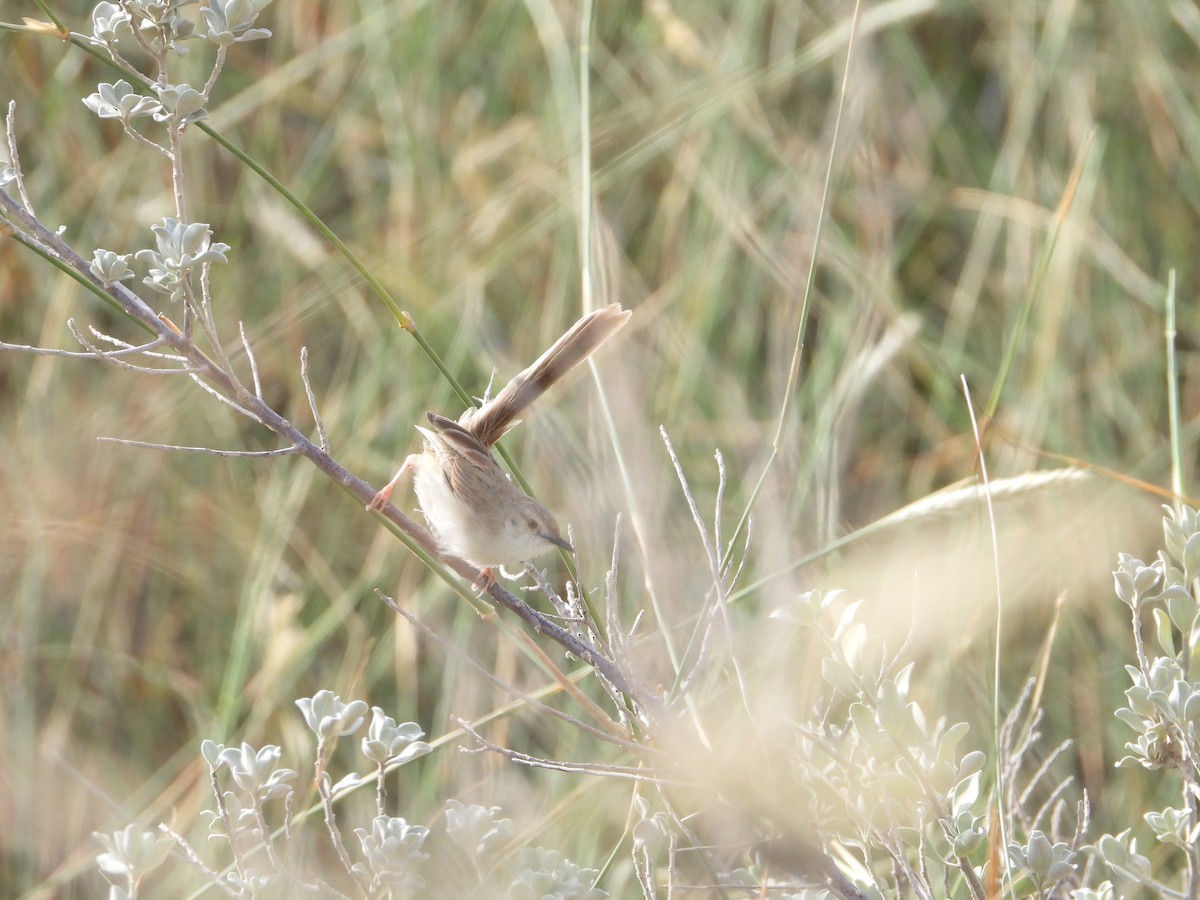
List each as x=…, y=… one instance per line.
x=555, y=539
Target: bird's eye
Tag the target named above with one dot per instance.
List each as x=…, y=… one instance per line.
x=532, y=523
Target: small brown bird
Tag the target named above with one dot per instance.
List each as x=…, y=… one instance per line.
x=474, y=510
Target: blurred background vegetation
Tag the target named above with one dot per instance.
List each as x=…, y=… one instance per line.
x=150, y=600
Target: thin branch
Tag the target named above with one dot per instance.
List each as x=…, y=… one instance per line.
x=113, y=357
x=570, y=617
x=618, y=645
x=618, y=640
x=737, y=574
x=720, y=600
x=13, y=157
x=239, y=862
x=324, y=788
x=194, y=858
x=709, y=551
x=90, y=354
x=115, y=55
x=268, y=841
x=138, y=37
x=133, y=348
x=322, y=438
x=206, y=451
x=580, y=609
x=140, y=138
x=720, y=500
x=175, y=137
x=628, y=773
x=218, y=65
x=204, y=314
x=250, y=357
x=228, y=401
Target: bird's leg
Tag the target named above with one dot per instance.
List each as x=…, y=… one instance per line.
x=487, y=580
x=380, y=500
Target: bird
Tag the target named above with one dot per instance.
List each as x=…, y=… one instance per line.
x=474, y=510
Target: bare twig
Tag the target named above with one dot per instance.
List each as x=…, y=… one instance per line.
x=218, y=65
x=13, y=157
x=208, y=325
x=250, y=358
x=325, y=789
x=618, y=640
x=268, y=842
x=737, y=574
x=564, y=611
x=322, y=438
x=114, y=357
x=239, y=407
x=141, y=42
x=194, y=858
x=719, y=503
x=572, y=617
x=239, y=863
x=146, y=142
x=79, y=354
x=709, y=550
x=206, y=451
x=124, y=347
x=720, y=600
x=628, y=773
x=115, y=55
